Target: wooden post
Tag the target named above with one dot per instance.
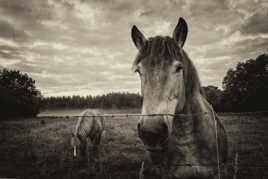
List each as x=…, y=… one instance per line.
x=141, y=171
x=235, y=165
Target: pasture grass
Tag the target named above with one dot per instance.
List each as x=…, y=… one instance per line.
x=40, y=148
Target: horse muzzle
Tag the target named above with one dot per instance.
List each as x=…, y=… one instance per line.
x=153, y=136
x=155, y=140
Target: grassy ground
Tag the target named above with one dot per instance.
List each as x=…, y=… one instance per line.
x=39, y=148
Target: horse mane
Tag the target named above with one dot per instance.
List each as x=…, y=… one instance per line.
x=192, y=81
x=166, y=48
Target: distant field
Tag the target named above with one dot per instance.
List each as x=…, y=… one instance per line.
x=34, y=149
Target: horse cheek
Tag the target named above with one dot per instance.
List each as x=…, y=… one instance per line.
x=180, y=95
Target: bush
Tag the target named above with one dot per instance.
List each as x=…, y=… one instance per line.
x=18, y=94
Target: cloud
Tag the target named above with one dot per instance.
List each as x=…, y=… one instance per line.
x=10, y=32
x=8, y=52
x=27, y=12
x=256, y=24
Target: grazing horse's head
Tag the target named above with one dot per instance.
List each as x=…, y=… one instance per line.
x=165, y=71
x=78, y=146
x=75, y=142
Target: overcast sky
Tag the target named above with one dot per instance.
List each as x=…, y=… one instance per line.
x=80, y=47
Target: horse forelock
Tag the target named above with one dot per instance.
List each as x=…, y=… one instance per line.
x=157, y=49
x=191, y=78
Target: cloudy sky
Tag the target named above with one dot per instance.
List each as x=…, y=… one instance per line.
x=81, y=47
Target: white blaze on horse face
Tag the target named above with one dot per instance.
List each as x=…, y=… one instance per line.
x=163, y=89
x=75, y=151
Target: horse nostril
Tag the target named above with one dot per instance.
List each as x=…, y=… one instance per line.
x=164, y=132
x=165, y=128
x=153, y=136
x=139, y=130
x=139, y=126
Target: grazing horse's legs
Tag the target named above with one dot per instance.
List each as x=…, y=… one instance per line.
x=87, y=151
x=83, y=148
x=97, y=144
x=95, y=150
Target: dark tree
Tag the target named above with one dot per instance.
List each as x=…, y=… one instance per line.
x=245, y=88
x=214, y=96
x=18, y=94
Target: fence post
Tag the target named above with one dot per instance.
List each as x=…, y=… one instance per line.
x=235, y=165
x=141, y=171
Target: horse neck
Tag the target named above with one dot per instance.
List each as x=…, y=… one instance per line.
x=197, y=105
x=198, y=113
x=201, y=116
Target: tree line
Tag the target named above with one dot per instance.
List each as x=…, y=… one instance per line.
x=111, y=100
x=243, y=89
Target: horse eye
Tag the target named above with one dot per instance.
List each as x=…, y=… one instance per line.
x=138, y=71
x=178, y=68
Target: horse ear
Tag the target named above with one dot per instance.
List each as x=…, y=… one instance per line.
x=137, y=37
x=180, y=32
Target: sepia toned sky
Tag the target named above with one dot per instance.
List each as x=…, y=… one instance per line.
x=81, y=47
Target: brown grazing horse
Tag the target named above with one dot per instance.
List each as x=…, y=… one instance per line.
x=190, y=142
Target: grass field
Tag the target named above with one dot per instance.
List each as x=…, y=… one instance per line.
x=39, y=147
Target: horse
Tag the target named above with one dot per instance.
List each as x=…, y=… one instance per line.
x=89, y=127
x=185, y=137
